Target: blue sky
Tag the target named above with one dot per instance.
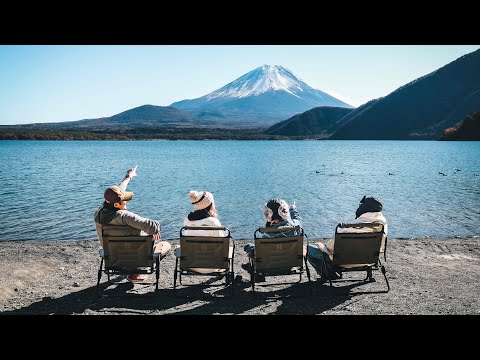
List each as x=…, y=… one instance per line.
x=64, y=83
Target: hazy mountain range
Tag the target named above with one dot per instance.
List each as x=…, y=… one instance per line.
x=271, y=102
x=145, y=116
x=421, y=109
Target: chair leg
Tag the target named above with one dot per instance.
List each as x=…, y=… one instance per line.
x=175, y=273
x=99, y=275
x=157, y=272
x=307, y=269
x=310, y=289
x=369, y=277
x=326, y=271
x=385, y=275
x=252, y=275
x=232, y=278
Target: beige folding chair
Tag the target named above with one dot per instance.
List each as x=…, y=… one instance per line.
x=131, y=254
x=205, y=256
x=360, y=247
x=279, y=255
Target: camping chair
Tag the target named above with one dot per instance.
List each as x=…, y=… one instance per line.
x=205, y=256
x=359, y=247
x=125, y=255
x=283, y=255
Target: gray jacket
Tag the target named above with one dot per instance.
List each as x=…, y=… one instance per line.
x=134, y=223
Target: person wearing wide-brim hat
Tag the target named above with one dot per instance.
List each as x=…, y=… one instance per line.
x=114, y=211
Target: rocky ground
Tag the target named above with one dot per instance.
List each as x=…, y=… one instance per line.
x=426, y=275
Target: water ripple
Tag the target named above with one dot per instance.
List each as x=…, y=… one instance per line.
x=52, y=188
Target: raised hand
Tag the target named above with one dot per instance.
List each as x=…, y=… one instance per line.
x=131, y=173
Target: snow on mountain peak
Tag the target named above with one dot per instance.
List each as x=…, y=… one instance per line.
x=260, y=80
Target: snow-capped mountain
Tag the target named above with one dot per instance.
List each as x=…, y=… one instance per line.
x=267, y=94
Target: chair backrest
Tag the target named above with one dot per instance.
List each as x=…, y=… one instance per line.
x=360, y=245
x=123, y=252
x=210, y=252
x=278, y=252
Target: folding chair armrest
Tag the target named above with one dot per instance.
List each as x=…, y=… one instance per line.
x=359, y=225
x=356, y=225
x=275, y=230
x=220, y=228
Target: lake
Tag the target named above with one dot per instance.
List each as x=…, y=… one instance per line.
x=51, y=189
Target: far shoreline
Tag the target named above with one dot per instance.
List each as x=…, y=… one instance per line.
x=252, y=139
x=13, y=132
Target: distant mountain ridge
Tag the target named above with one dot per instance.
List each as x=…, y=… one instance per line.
x=145, y=116
x=421, y=109
x=262, y=96
x=321, y=121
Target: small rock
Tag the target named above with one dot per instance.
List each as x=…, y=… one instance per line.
x=76, y=284
x=61, y=268
x=15, y=289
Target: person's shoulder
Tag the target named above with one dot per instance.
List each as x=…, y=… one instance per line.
x=215, y=221
x=209, y=221
x=130, y=214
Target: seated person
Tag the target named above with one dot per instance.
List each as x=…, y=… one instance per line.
x=369, y=211
x=205, y=214
x=114, y=211
x=278, y=214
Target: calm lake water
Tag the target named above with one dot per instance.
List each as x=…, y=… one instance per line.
x=50, y=189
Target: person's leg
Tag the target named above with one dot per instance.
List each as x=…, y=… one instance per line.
x=315, y=256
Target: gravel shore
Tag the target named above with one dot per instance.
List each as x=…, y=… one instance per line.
x=426, y=275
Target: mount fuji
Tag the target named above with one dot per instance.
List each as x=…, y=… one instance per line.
x=265, y=95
